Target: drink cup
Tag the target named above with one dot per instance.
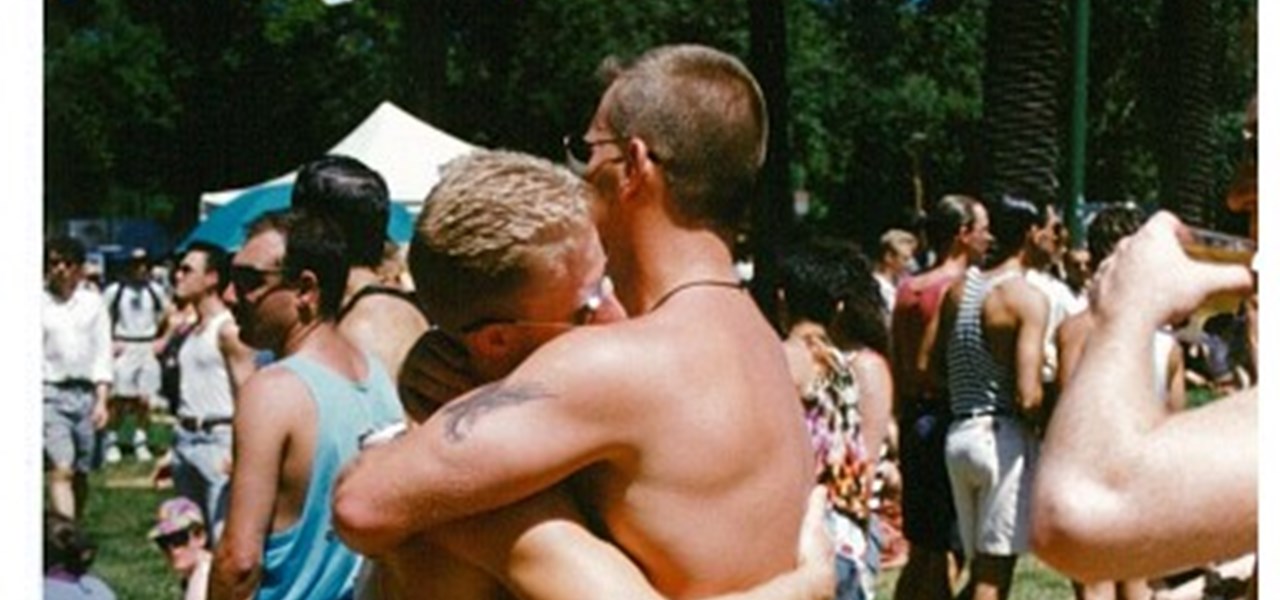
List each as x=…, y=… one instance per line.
x=1216, y=247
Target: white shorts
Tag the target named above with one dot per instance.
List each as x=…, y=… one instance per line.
x=137, y=372
x=991, y=462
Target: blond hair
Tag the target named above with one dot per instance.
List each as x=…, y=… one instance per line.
x=491, y=218
x=898, y=242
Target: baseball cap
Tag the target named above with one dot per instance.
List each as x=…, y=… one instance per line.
x=174, y=515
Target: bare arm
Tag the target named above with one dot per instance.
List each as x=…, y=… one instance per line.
x=1177, y=379
x=1032, y=309
x=541, y=549
x=1122, y=490
x=874, y=403
x=261, y=433
x=429, y=477
x=239, y=357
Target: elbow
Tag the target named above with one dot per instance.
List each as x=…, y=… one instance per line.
x=235, y=569
x=359, y=520
x=1066, y=530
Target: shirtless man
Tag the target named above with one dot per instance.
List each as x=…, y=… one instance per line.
x=298, y=420
x=991, y=348
x=1112, y=499
x=502, y=227
x=958, y=231
x=379, y=319
x=678, y=427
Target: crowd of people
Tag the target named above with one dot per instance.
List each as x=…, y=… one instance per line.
x=577, y=397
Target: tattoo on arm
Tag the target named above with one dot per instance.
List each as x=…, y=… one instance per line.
x=462, y=416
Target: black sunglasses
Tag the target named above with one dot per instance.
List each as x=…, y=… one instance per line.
x=173, y=540
x=248, y=279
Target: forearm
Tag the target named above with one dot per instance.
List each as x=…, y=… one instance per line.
x=234, y=575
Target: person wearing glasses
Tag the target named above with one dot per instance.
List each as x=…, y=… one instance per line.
x=679, y=428
x=539, y=242
x=297, y=421
x=76, y=371
x=213, y=364
x=181, y=535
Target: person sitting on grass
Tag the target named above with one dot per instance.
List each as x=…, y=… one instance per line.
x=180, y=534
x=68, y=554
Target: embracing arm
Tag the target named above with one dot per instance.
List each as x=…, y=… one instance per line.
x=527, y=433
x=261, y=433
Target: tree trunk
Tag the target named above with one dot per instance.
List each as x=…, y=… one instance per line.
x=1022, y=85
x=1185, y=139
x=772, y=212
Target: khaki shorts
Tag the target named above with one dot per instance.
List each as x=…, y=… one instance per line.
x=991, y=462
x=68, y=427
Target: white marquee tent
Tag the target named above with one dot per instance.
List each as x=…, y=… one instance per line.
x=406, y=151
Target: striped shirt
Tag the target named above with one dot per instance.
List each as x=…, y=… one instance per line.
x=977, y=382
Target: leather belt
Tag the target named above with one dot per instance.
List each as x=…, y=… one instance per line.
x=205, y=424
x=135, y=338
x=980, y=412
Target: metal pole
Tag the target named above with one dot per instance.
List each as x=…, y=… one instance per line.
x=1079, y=126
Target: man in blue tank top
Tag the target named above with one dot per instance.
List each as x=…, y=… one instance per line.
x=298, y=421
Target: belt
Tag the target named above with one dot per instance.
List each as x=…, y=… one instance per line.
x=135, y=338
x=73, y=384
x=992, y=411
x=205, y=424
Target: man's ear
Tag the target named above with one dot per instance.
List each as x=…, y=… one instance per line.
x=308, y=286
x=491, y=342
x=638, y=164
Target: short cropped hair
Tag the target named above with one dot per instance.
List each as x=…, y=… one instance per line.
x=67, y=247
x=1011, y=218
x=312, y=243
x=1110, y=225
x=952, y=213
x=703, y=116
x=897, y=241
x=351, y=194
x=216, y=260
x=490, y=219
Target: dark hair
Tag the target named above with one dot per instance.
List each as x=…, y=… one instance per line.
x=66, y=546
x=1011, y=218
x=1110, y=225
x=67, y=247
x=952, y=213
x=353, y=196
x=312, y=243
x=703, y=116
x=818, y=275
x=216, y=259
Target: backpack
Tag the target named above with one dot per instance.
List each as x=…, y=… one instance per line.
x=115, y=300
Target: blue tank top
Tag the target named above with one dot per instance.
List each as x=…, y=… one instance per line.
x=307, y=561
x=975, y=380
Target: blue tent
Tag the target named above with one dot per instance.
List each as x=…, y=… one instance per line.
x=225, y=226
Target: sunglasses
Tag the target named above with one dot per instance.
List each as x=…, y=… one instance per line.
x=173, y=540
x=248, y=279
x=583, y=315
x=55, y=261
x=577, y=152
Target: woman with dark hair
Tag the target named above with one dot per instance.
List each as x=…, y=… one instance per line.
x=832, y=316
x=68, y=554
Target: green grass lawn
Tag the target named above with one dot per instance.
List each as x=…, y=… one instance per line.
x=122, y=509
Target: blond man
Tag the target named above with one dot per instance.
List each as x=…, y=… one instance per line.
x=679, y=427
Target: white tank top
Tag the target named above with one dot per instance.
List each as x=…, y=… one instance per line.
x=204, y=381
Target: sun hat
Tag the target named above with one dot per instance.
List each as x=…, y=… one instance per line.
x=174, y=515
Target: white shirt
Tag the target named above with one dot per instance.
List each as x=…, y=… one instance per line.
x=888, y=290
x=1062, y=304
x=77, y=337
x=139, y=311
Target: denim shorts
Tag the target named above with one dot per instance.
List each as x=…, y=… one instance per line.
x=68, y=426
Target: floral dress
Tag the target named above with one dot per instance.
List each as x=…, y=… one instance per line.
x=835, y=428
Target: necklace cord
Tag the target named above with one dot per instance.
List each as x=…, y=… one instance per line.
x=692, y=284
